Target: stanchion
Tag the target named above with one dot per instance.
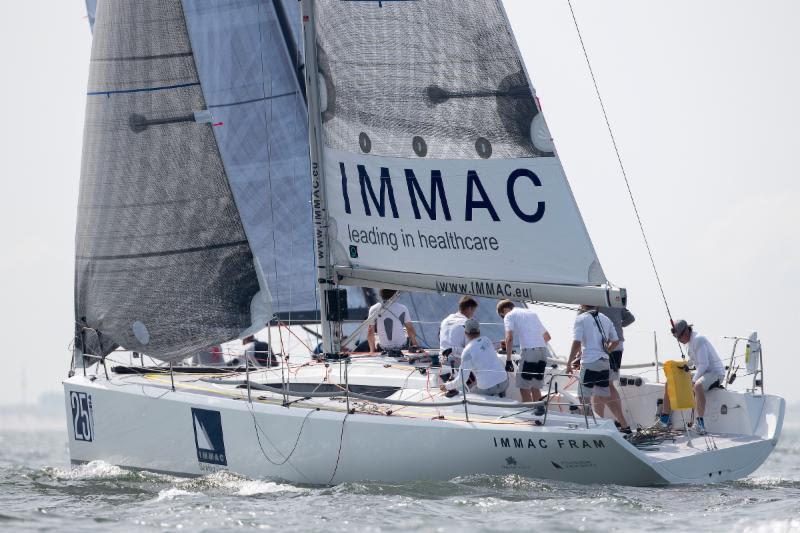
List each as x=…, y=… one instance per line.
x=464, y=394
x=247, y=376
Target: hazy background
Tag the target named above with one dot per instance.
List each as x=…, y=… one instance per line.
x=702, y=99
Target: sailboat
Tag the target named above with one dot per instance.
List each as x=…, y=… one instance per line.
x=257, y=164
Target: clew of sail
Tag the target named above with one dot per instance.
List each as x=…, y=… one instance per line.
x=440, y=173
x=163, y=263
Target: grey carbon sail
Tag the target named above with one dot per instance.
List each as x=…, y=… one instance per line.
x=439, y=79
x=163, y=264
x=248, y=74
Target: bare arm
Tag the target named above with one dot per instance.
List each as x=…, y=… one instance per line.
x=412, y=333
x=574, y=351
x=547, y=337
x=509, y=344
x=371, y=339
x=612, y=345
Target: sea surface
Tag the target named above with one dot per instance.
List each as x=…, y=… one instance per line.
x=40, y=491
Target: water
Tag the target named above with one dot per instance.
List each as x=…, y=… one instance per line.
x=38, y=491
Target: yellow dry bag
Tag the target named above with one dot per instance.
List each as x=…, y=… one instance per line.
x=679, y=385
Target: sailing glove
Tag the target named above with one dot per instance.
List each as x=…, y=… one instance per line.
x=509, y=366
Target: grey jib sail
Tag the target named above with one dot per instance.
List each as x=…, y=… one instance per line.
x=163, y=264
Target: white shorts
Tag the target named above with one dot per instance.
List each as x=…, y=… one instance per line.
x=709, y=378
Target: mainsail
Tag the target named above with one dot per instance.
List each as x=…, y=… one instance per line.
x=439, y=170
x=163, y=263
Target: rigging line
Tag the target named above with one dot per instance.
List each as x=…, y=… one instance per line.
x=276, y=449
x=339, y=453
x=288, y=329
x=621, y=166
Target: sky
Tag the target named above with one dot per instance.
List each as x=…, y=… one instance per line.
x=701, y=97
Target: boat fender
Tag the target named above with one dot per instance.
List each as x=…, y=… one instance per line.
x=679, y=385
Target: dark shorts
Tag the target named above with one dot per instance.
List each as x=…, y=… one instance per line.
x=595, y=378
x=532, y=366
x=615, y=361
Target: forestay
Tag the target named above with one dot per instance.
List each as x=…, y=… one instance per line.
x=163, y=263
x=439, y=169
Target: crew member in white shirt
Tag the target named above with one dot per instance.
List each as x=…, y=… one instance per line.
x=709, y=371
x=479, y=358
x=533, y=338
x=392, y=325
x=594, y=337
x=451, y=332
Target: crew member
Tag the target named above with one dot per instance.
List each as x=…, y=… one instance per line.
x=257, y=352
x=594, y=337
x=533, y=338
x=709, y=371
x=621, y=318
x=451, y=332
x=479, y=359
x=392, y=324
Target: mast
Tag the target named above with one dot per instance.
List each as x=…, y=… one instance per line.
x=325, y=273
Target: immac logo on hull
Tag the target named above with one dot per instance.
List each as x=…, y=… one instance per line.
x=208, y=438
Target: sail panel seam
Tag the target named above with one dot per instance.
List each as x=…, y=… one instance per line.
x=253, y=100
x=142, y=89
x=165, y=253
x=142, y=58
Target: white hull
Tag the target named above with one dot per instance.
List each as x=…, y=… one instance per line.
x=139, y=422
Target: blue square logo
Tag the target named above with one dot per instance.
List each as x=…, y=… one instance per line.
x=208, y=438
